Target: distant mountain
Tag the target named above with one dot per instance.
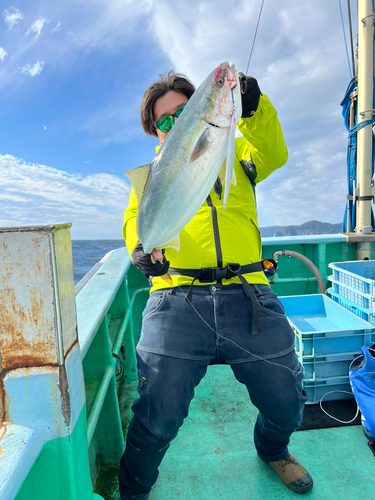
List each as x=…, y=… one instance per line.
x=270, y=231
x=311, y=227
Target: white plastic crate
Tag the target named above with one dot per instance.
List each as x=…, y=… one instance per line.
x=357, y=274
x=360, y=311
x=362, y=299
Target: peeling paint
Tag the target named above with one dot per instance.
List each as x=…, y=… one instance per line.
x=4, y=400
x=48, y=228
x=3, y=430
x=36, y=243
x=16, y=350
x=65, y=398
x=37, y=397
x=27, y=323
x=64, y=280
x=71, y=348
x=41, y=390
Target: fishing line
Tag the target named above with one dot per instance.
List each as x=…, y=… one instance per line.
x=346, y=392
x=232, y=341
x=331, y=416
x=351, y=36
x=346, y=45
x=256, y=31
x=276, y=364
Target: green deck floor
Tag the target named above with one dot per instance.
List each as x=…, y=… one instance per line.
x=214, y=457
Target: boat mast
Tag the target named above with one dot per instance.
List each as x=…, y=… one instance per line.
x=365, y=112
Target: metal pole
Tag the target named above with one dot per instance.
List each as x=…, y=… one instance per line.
x=365, y=112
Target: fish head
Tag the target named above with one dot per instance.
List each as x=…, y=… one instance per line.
x=220, y=96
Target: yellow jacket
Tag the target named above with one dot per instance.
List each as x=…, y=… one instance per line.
x=239, y=234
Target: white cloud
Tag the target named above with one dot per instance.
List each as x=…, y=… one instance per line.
x=12, y=16
x=56, y=28
x=37, y=27
x=34, y=70
x=3, y=53
x=37, y=194
x=300, y=65
x=44, y=127
x=96, y=25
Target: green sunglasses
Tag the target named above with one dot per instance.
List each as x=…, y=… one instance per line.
x=166, y=123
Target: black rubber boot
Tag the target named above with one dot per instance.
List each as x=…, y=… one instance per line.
x=292, y=474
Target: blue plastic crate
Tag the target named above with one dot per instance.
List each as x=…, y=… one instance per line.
x=356, y=274
x=360, y=311
x=364, y=300
x=320, y=388
x=322, y=326
x=328, y=365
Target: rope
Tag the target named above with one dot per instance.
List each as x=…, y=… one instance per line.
x=122, y=367
x=347, y=392
x=331, y=416
x=351, y=37
x=360, y=125
x=256, y=31
x=346, y=45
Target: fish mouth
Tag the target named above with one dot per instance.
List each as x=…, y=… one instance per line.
x=232, y=76
x=230, y=72
x=213, y=125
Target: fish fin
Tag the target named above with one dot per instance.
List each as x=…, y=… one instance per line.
x=203, y=144
x=175, y=243
x=222, y=171
x=234, y=178
x=229, y=161
x=137, y=226
x=138, y=177
x=167, y=278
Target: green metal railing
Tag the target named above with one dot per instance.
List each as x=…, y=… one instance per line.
x=109, y=303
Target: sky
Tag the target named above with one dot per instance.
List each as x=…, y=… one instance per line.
x=73, y=73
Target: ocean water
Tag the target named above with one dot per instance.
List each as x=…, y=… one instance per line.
x=86, y=253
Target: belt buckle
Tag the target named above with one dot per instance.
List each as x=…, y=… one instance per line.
x=208, y=275
x=233, y=270
x=222, y=273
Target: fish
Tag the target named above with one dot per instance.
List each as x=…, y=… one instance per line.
x=198, y=149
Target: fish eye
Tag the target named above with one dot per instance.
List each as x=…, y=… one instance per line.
x=220, y=82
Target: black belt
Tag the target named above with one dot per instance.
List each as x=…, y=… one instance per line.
x=211, y=274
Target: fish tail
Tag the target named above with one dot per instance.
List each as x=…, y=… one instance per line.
x=167, y=278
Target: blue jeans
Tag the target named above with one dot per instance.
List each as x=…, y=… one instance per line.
x=178, y=342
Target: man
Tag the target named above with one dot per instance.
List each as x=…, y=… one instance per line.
x=232, y=317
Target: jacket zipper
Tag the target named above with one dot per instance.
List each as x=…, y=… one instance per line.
x=219, y=254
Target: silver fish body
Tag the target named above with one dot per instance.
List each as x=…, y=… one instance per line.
x=190, y=160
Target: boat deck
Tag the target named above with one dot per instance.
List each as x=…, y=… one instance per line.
x=214, y=457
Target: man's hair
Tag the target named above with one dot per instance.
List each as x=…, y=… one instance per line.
x=172, y=81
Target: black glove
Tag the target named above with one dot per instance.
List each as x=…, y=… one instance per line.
x=250, y=95
x=143, y=262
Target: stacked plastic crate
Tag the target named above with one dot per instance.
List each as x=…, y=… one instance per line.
x=353, y=286
x=327, y=339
